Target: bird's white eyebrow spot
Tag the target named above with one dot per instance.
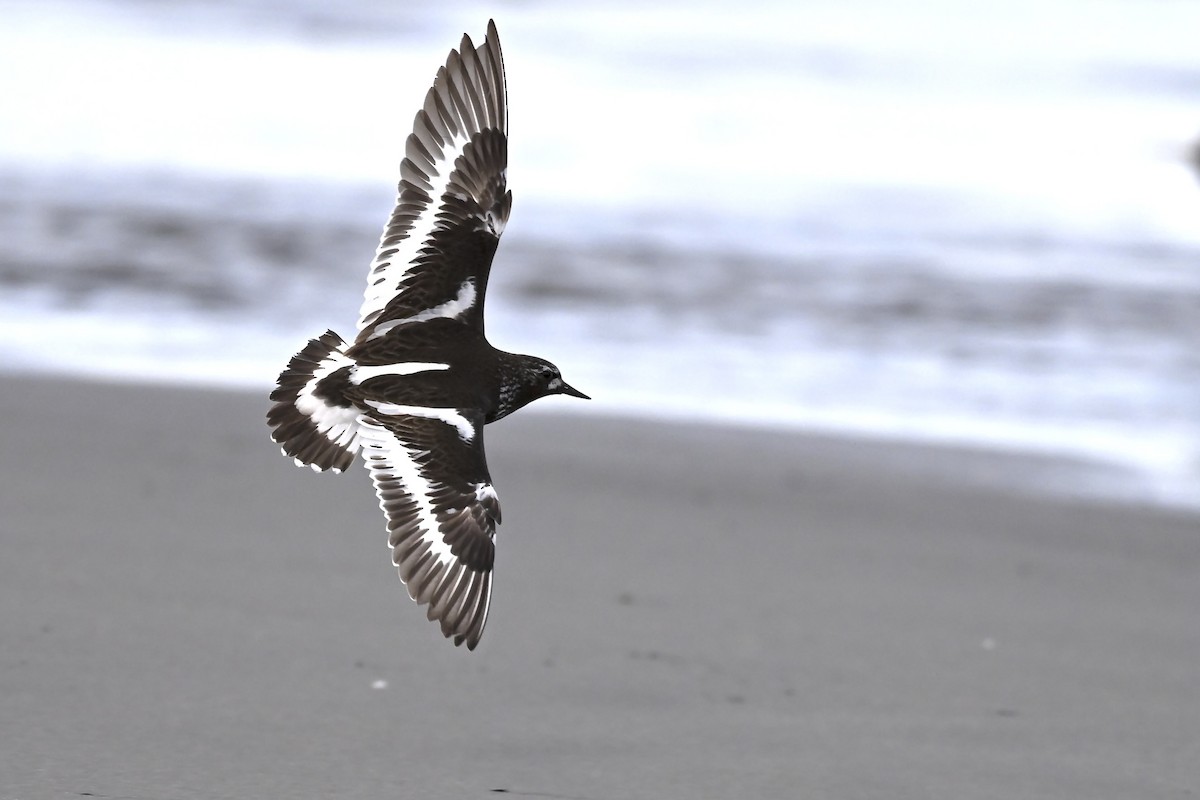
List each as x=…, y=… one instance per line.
x=360, y=373
x=466, y=431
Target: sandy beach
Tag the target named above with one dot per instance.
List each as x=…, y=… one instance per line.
x=680, y=612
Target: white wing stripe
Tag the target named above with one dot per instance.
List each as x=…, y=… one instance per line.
x=462, y=303
x=386, y=455
x=466, y=430
x=406, y=250
x=362, y=373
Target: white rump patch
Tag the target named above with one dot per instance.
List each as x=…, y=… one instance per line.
x=451, y=309
x=466, y=431
x=339, y=425
x=360, y=373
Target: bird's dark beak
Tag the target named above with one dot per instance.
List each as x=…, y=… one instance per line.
x=571, y=390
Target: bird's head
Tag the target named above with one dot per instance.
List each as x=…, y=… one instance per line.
x=544, y=379
x=525, y=379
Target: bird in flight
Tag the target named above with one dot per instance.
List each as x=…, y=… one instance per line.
x=414, y=389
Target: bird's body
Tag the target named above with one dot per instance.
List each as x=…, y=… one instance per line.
x=414, y=389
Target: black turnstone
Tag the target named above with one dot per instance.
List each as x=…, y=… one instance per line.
x=419, y=382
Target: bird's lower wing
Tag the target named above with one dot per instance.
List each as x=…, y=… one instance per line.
x=431, y=478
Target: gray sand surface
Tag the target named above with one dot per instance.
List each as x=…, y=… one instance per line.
x=680, y=612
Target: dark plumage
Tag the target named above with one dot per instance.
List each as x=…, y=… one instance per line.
x=414, y=389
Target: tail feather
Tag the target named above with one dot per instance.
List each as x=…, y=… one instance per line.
x=310, y=420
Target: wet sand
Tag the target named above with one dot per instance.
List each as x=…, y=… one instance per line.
x=680, y=612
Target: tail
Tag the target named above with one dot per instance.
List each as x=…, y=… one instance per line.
x=312, y=420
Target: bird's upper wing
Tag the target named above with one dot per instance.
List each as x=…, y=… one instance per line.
x=432, y=481
x=436, y=251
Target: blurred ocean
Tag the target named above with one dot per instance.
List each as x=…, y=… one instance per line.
x=936, y=221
